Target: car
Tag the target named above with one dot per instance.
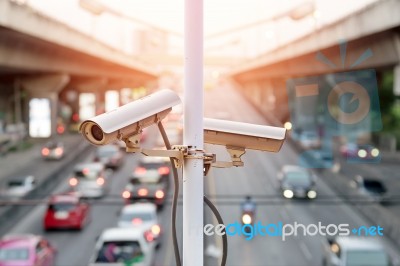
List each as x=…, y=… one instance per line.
x=16, y=133
x=123, y=246
x=149, y=181
x=109, y=155
x=5, y=143
x=371, y=187
x=19, y=187
x=309, y=139
x=26, y=250
x=53, y=150
x=66, y=211
x=297, y=182
x=363, y=152
x=142, y=216
x=355, y=251
x=91, y=180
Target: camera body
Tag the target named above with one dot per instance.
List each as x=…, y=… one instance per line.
x=128, y=120
x=243, y=135
x=126, y=123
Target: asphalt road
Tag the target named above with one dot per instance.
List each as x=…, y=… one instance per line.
x=226, y=188
x=76, y=247
x=388, y=173
x=258, y=178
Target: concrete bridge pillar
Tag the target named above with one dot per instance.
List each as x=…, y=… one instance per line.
x=396, y=85
x=98, y=87
x=46, y=86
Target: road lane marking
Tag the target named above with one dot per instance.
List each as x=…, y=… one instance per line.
x=305, y=251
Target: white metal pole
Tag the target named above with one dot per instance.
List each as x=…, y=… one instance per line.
x=193, y=135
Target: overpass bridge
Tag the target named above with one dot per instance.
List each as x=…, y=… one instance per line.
x=43, y=58
x=40, y=57
x=373, y=42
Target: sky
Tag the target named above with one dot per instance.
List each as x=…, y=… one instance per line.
x=219, y=15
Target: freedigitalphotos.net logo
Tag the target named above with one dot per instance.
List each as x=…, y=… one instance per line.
x=279, y=229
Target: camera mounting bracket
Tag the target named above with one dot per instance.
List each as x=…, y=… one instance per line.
x=177, y=153
x=133, y=143
x=236, y=154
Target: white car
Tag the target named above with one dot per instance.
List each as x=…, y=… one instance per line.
x=297, y=182
x=309, y=140
x=142, y=216
x=53, y=150
x=90, y=180
x=19, y=187
x=356, y=251
x=123, y=246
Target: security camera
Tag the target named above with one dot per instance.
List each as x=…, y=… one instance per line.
x=128, y=120
x=243, y=135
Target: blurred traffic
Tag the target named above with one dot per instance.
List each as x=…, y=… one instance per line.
x=65, y=202
x=136, y=188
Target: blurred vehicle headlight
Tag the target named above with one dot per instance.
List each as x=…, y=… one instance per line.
x=362, y=153
x=159, y=194
x=288, y=125
x=155, y=229
x=311, y=194
x=126, y=194
x=288, y=194
x=335, y=248
x=45, y=151
x=375, y=152
x=246, y=219
x=73, y=182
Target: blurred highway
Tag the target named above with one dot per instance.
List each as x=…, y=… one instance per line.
x=259, y=178
x=31, y=161
x=227, y=188
x=93, y=63
x=76, y=247
x=387, y=172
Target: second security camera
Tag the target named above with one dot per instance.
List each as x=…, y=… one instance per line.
x=128, y=120
x=243, y=135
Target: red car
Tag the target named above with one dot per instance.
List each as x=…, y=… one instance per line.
x=66, y=211
x=26, y=250
x=149, y=181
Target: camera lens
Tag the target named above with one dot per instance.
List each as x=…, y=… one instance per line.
x=97, y=133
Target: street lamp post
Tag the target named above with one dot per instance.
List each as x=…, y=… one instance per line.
x=193, y=135
x=193, y=123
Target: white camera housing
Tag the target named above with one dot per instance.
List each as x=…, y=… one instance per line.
x=243, y=135
x=129, y=119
